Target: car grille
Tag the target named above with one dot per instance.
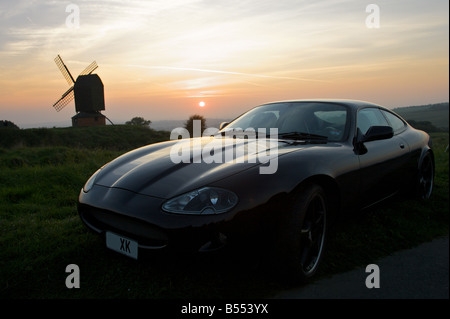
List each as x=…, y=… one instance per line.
x=147, y=235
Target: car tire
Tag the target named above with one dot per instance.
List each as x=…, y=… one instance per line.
x=425, y=178
x=303, y=234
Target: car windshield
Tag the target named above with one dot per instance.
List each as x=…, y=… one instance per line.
x=295, y=120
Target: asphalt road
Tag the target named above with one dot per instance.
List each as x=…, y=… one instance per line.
x=418, y=273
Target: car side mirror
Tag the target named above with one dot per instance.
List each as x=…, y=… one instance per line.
x=375, y=133
x=223, y=124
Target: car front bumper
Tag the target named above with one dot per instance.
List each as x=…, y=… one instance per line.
x=141, y=218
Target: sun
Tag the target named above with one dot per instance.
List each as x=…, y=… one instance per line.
x=201, y=104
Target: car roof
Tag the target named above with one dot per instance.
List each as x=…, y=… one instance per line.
x=351, y=103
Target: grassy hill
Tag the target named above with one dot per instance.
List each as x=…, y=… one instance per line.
x=436, y=114
x=111, y=137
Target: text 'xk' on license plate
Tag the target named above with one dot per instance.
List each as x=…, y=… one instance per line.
x=122, y=245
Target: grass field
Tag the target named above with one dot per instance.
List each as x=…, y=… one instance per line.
x=43, y=170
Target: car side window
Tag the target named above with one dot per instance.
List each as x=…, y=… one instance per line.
x=370, y=117
x=396, y=123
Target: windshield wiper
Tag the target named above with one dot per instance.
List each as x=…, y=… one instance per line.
x=302, y=136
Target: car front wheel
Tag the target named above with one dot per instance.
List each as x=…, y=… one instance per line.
x=425, y=179
x=304, y=233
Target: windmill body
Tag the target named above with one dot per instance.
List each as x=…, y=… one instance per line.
x=88, y=92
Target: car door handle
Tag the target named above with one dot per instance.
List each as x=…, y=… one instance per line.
x=402, y=146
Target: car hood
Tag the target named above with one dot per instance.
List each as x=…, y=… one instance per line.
x=171, y=168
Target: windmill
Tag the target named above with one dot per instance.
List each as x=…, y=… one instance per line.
x=87, y=90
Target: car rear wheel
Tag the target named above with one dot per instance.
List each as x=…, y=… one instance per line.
x=304, y=234
x=425, y=178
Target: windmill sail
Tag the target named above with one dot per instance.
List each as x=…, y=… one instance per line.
x=91, y=67
x=66, y=98
x=64, y=70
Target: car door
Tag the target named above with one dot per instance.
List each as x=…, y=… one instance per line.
x=408, y=163
x=380, y=161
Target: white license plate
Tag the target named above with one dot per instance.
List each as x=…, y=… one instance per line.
x=122, y=245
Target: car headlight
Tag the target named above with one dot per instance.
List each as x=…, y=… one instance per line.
x=203, y=201
x=87, y=187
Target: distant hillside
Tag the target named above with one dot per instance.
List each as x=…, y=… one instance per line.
x=169, y=125
x=436, y=114
x=112, y=137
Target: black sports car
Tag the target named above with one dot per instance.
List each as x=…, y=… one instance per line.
x=279, y=174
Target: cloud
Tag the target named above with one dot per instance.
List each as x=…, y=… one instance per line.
x=222, y=72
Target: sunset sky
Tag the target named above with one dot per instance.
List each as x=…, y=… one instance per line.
x=160, y=58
